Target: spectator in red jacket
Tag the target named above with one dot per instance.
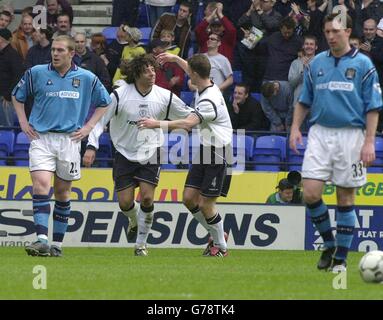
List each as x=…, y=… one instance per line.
x=216, y=22
x=169, y=75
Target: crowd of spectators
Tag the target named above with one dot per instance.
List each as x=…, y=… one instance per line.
x=270, y=41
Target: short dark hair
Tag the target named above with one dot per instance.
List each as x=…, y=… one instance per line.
x=284, y=184
x=333, y=16
x=287, y=22
x=200, y=64
x=187, y=4
x=311, y=37
x=48, y=31
x=267, y=89
x=243, y=85
x=6, y=13
x=134, y=68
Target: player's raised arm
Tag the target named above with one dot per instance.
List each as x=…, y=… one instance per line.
x=187, y=124
x=168, y=57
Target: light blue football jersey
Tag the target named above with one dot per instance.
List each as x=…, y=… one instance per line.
x=61, y=103
x=340, y=91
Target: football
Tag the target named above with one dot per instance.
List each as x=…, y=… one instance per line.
x=371, y=266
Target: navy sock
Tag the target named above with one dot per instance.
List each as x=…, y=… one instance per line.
x=319, y=216
x=345, y=218
x=61, y=214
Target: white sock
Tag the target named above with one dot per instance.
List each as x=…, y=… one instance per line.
x=216, y=230
x=145, y=221
x=57, y=244
x=198, y=215
x=132, y=214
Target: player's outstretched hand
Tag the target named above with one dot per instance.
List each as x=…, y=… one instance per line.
x=148, y=123
x=29, y=131
x=89, y=157
x=295, y=138
x=368, y=153
x=166, y=57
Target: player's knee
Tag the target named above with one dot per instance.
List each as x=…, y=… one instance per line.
x=146, y=200
x=125, y=205
x=311, y=197
x=62, y=194
x=189, y=203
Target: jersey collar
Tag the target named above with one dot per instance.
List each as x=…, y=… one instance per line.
x=203, y=90
x=73, y=67
x=352, y=53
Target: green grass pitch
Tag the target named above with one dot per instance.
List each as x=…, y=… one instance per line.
x=182, y=274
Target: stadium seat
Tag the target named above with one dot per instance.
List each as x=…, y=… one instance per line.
x=187, y=97
x=379, y=157
x=146, y=32
x=295, y=160
x=246, y=145
x=256, y=96
x=3, y=154
x=272, y=141
x=21, y=153
x=104, y=151
x=7, y=139
x=110, y=33
x=21, y=149
x=268, y=152
x=237, y=76
x=22, y=142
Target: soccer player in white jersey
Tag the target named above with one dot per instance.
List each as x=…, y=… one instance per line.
x=208, y=179
x=341, y=90
x=136, y=160
x=62, y=95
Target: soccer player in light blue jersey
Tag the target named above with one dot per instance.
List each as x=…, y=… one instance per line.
x=341, y=90
x=62, y=95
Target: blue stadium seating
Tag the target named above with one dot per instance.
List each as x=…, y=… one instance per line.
x=297, y=159
x=379, y=156
x=237, y=76
x=187, y=97
x=110, y=33
x=7, y=139
x=104, y=151
x=146, y=32
x=256, y=96
x=268, y=151
x=21, y=149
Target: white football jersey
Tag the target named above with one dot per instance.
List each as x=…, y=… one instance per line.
x=134, y=144
x=215, y=125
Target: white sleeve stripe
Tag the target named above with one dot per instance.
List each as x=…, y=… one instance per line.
x=369, y=72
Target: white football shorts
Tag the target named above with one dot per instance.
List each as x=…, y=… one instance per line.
x=56, y=152
x=333, y=154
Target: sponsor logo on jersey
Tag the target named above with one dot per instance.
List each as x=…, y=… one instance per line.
x=64, y=94
x=335, y=86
